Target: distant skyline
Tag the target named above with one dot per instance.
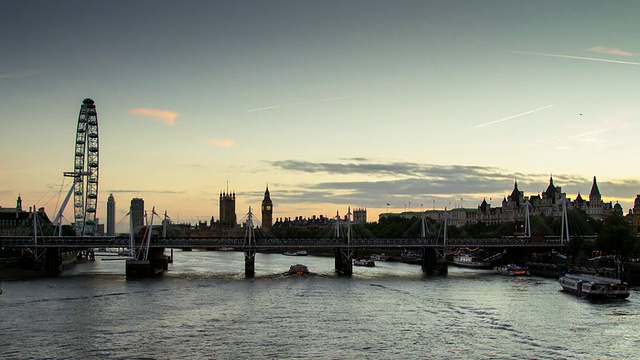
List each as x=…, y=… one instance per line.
x=332, y=104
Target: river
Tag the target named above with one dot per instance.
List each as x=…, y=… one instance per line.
x=204, y=308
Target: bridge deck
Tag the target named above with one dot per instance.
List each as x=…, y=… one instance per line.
x=239, y=243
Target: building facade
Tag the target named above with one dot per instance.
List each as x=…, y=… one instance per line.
x=111, y=216
x=514, y=207
x=137, y=213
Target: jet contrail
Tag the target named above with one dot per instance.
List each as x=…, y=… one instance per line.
x=575, y=57
x=302, y=103
x=514, y=116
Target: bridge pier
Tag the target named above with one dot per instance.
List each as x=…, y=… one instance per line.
x=432, y=263
x=344, y=261
x=53, y=260
x=249, y=263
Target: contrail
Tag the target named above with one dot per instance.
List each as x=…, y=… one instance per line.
x=514, y=116
x=302, y=103
x=576, y=57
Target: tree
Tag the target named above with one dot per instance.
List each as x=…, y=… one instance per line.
x=616, y=237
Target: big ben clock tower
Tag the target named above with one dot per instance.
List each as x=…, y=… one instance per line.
x=267, y=211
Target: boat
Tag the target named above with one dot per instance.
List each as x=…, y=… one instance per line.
x=595, y=287
x=411, y=257
x=295, y=253
x=126, y=252
x=298, y=269
x=511, y=270
x=471, y=261
x=364, y=262
x=381, y=257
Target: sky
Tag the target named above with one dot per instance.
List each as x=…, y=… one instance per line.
x=331, y=104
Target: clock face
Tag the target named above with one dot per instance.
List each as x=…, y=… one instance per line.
x=268, y=207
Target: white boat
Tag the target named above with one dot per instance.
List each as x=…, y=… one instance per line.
x=295, y=253
x=591, y=286
x=364, y=262
x=126, y=252
x=381, y=257
x=471, y=261
x=511, y=270
x=411, y=257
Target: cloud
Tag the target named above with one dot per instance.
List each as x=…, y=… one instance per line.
x=589, y=136
x=608, y=50
x=218, y=142
x=164, y=116
x=514, y=116
x=575, y=57
x=131, y=191
x=7, y=76
x=399, y=183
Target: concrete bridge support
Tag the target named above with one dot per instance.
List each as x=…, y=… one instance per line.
x=53, y=260
x=432, y=263
x=344, y=261
x=249, y=263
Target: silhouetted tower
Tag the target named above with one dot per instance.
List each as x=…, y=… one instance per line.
x=137, y=213
x=594, y=196
x=360, y=216
x=19, y=203
x=267, y=211
x=111, y=216
x=227, y=209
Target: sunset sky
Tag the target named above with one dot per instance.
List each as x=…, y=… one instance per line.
x=330, y=103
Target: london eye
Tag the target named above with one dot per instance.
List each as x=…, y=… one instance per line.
x=85, y=170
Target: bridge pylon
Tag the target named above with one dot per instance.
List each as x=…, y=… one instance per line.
x=250, y=248
x=344, y=254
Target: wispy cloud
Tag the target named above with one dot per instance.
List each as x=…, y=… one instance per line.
x=576, y=57
x=589, y=136
x=218, y=142
x=302, y=103
x=140, y=191
x=514, y=116
x=164, y=116
x=608, y=50
x=417, y=183
x=7, y=76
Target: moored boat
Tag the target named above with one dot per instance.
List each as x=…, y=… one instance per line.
x=295, y=253
x=471, y=261
x=381, y=257
x=591, y=286
x=411, y=257
x=364, y=262
x=511, y=270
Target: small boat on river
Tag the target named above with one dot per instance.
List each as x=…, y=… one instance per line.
x=471, y=261
x=411, y=257
x=381, y=257
x=295, y=253
x=298, y=269
x=364, y=262
x=594, y=287
x=511, y=270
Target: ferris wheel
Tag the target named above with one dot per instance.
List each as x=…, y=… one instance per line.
x=85, y=170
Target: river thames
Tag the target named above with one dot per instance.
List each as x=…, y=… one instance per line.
x=204, y=308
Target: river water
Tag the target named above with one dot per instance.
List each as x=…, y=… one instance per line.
x=204, y=308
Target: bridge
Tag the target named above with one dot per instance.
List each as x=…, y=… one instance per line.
x=81, y=242
x=431, y=249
